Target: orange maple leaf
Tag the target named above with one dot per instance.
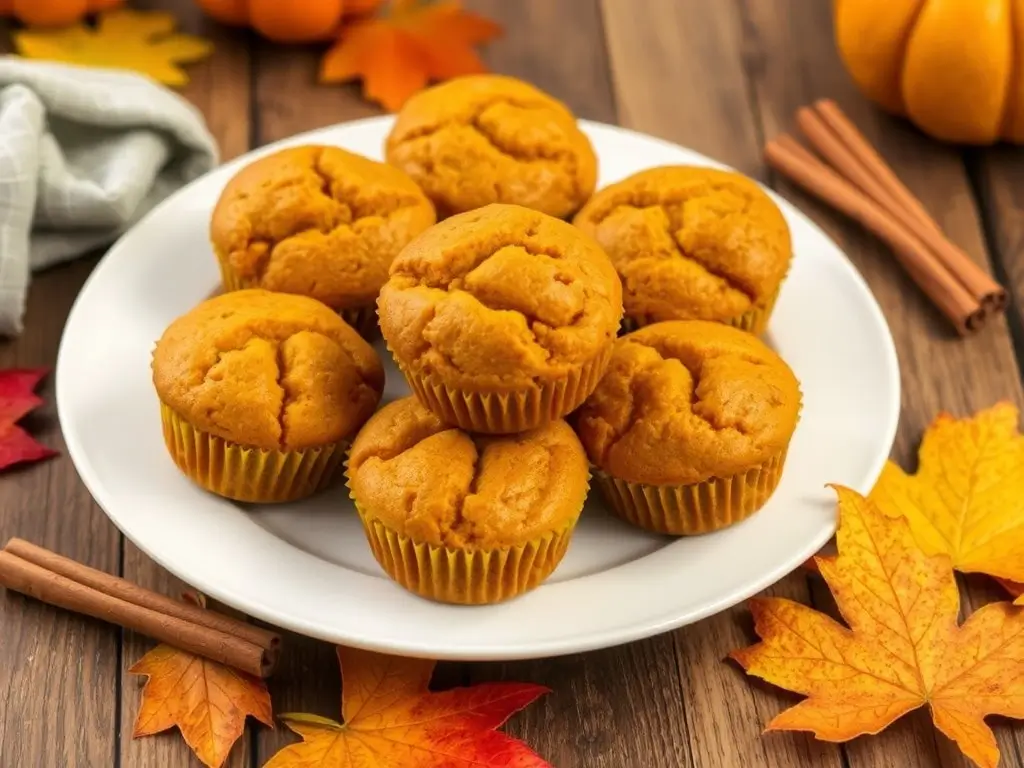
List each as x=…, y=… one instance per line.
x=903, y=648
x=206, y=700
x=399, y=54
x=967, y=498
x=392, y=720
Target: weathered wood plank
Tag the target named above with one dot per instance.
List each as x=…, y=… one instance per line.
x=220, y=88
x=288, y=98
x=682, y=79
x=791, y=61
x=534, y=31
x=58, y=671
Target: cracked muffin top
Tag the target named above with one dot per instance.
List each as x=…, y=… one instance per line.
x=685, y=401
x=442, y=486
x=690, y=243
x=267, y=370
x=317, y=221
x=499, y=297
x=485, y=139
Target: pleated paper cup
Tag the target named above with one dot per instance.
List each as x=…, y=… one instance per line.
x=465, y=576
x=684, y=510
x=513, y=411
x=754, y=320
x=248, y=474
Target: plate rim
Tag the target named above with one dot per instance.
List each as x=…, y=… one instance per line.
x=594, y=641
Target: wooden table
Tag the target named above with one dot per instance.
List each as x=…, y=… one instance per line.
x=716, y=76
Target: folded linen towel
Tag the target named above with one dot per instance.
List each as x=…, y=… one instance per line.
x=84, y=153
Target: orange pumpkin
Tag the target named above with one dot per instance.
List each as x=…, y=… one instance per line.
x=288, y=21
x=54, y=13
x=954, y=67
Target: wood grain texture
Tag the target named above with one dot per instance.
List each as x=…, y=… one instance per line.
x=58, y=670
x=219, y=87
x=677, y=66
x=791, y=61
x=536, y=29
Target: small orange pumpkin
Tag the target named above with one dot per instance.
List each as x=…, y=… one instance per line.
x=954, y=67
x=53, y=13
x=288, y=21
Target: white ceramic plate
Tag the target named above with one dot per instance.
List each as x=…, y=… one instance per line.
x=307, y=566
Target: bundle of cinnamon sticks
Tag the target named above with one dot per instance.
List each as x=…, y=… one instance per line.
x=862, y=185
x=59, y=581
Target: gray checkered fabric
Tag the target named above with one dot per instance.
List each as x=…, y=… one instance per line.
x=84, y=153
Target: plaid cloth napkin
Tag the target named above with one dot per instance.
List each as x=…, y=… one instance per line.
x=84, y=153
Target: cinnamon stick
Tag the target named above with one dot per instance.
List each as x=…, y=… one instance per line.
x=133, y=593
x=51, y=587
x=952, y=298
x=841, y=142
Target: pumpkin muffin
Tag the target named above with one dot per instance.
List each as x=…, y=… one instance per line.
x=492, y=139
x=260, y=392
x=692, y=244
x=465, y=518
x=320, y=222
x=690, y=426
x=502, y=319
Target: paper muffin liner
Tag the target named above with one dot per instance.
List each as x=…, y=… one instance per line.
x=684, y=510
x=754, y=320
x=247, y=474
x=362, y=318
x=508, y=412
x=465, y=576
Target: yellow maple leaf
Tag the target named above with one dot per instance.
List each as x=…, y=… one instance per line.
x=967, y=498
x=902, y=649
x=206, y=700
x=136, y=40
x=399, y=54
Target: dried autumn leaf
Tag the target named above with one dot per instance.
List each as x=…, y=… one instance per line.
x=393, y=721
x=137, y=40
x=967, y=498
x=399, y=54
x=1015, y=588
x=206, y=700
x=17, y=399
x=903, y=648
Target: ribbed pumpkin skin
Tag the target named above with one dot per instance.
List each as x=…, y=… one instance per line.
x=54, y=13
x=953, y=67
x=287, y=21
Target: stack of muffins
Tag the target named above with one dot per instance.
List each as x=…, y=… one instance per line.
x=505, y=319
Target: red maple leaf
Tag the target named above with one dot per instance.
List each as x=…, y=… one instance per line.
x=392, y=720
x=17, y=398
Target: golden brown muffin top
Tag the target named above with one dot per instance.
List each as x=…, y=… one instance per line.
x=684, y=401
x=485, y=139
x=318, y=221
x=442, y=486
x=500, y=297
x=267, y=370
x=690, y=243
